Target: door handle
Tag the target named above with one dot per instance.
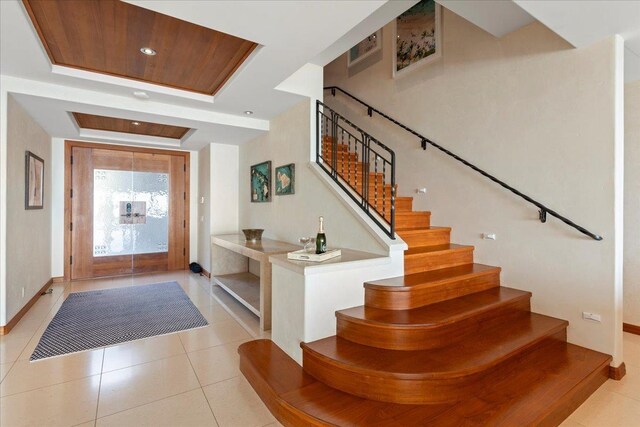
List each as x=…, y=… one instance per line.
x=133, y=212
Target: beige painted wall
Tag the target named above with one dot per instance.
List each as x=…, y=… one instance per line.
x=533, y=111
x=632, y=204
x=204, y=204
x=290, y=217
x=224, y=188
x=218, y=185
x=28, y=231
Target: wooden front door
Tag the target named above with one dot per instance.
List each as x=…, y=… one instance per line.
x=128, y=211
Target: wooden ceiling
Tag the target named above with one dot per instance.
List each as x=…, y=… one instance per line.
x=90, y=121
x=106, y=36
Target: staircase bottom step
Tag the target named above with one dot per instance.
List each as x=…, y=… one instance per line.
x=541, y=388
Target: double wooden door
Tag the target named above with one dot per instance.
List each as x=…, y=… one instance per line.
x=128, y=212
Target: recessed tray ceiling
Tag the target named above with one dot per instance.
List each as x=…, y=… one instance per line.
x=107, y=36
x=90, y=121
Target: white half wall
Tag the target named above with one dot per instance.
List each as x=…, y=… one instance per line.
x=535, y=112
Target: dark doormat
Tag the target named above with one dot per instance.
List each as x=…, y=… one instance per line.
x=88, y=320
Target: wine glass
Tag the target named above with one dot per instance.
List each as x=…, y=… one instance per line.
x=308, y=243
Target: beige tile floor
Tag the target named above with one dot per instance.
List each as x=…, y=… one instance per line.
x=190, y=378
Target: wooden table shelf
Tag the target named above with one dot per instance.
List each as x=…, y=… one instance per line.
x=230, y=255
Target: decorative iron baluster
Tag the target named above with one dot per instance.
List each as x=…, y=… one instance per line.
x=334, y=142
x=342, y=153
x=357, y=152
x=392, y=220
x=375, y=182
x=319, y=132
x=365, y=176
x=384, y=189
x=349, y=166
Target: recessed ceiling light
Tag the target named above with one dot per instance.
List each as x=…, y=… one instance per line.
x=248, y=113
x=147, y=51
x=141, y=94
x=135, y=123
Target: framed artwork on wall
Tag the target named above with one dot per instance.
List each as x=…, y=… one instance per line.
x=285, y=179
x=34, y=181
x=365, y=48
x=417, y=39
x=261, y=182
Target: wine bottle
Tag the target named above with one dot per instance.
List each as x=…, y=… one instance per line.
x=321, y=239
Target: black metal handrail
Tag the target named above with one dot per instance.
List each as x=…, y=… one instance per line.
x=424, y=141
x=351, y=156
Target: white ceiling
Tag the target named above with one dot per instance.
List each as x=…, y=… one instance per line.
x=579, y=22
x=497, y=17
x=291, y=34
x=582, y=23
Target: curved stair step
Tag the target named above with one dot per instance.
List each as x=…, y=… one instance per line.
x=440, y=375
x=541, y=388
x=432, y=326
x=417, y=290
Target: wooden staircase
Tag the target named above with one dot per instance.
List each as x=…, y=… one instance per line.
x=444, y=345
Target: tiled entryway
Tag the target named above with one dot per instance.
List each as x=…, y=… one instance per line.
x=189, y=378
x=616, y=403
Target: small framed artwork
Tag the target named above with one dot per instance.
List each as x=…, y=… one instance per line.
x=365, y=48
x=261, y=182
x=417, y=37
x=34, y=181
x=286, y=179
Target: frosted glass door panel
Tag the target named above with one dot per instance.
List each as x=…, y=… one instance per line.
x=112, y=234
x=130, y=213
x=151, y=233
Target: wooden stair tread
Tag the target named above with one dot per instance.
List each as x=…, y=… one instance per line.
x=429, y=229
x=412, y=219
x=444, y=345
x=430, y=278
x=425, y=236
x=413, y=229
x=542, y=387
x=438, y=323
x=484, y=350
x=438, y=248
x=415, y=213
x=437, y=314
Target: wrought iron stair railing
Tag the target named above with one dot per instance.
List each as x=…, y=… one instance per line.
x=543, y=210
x=360, y=164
